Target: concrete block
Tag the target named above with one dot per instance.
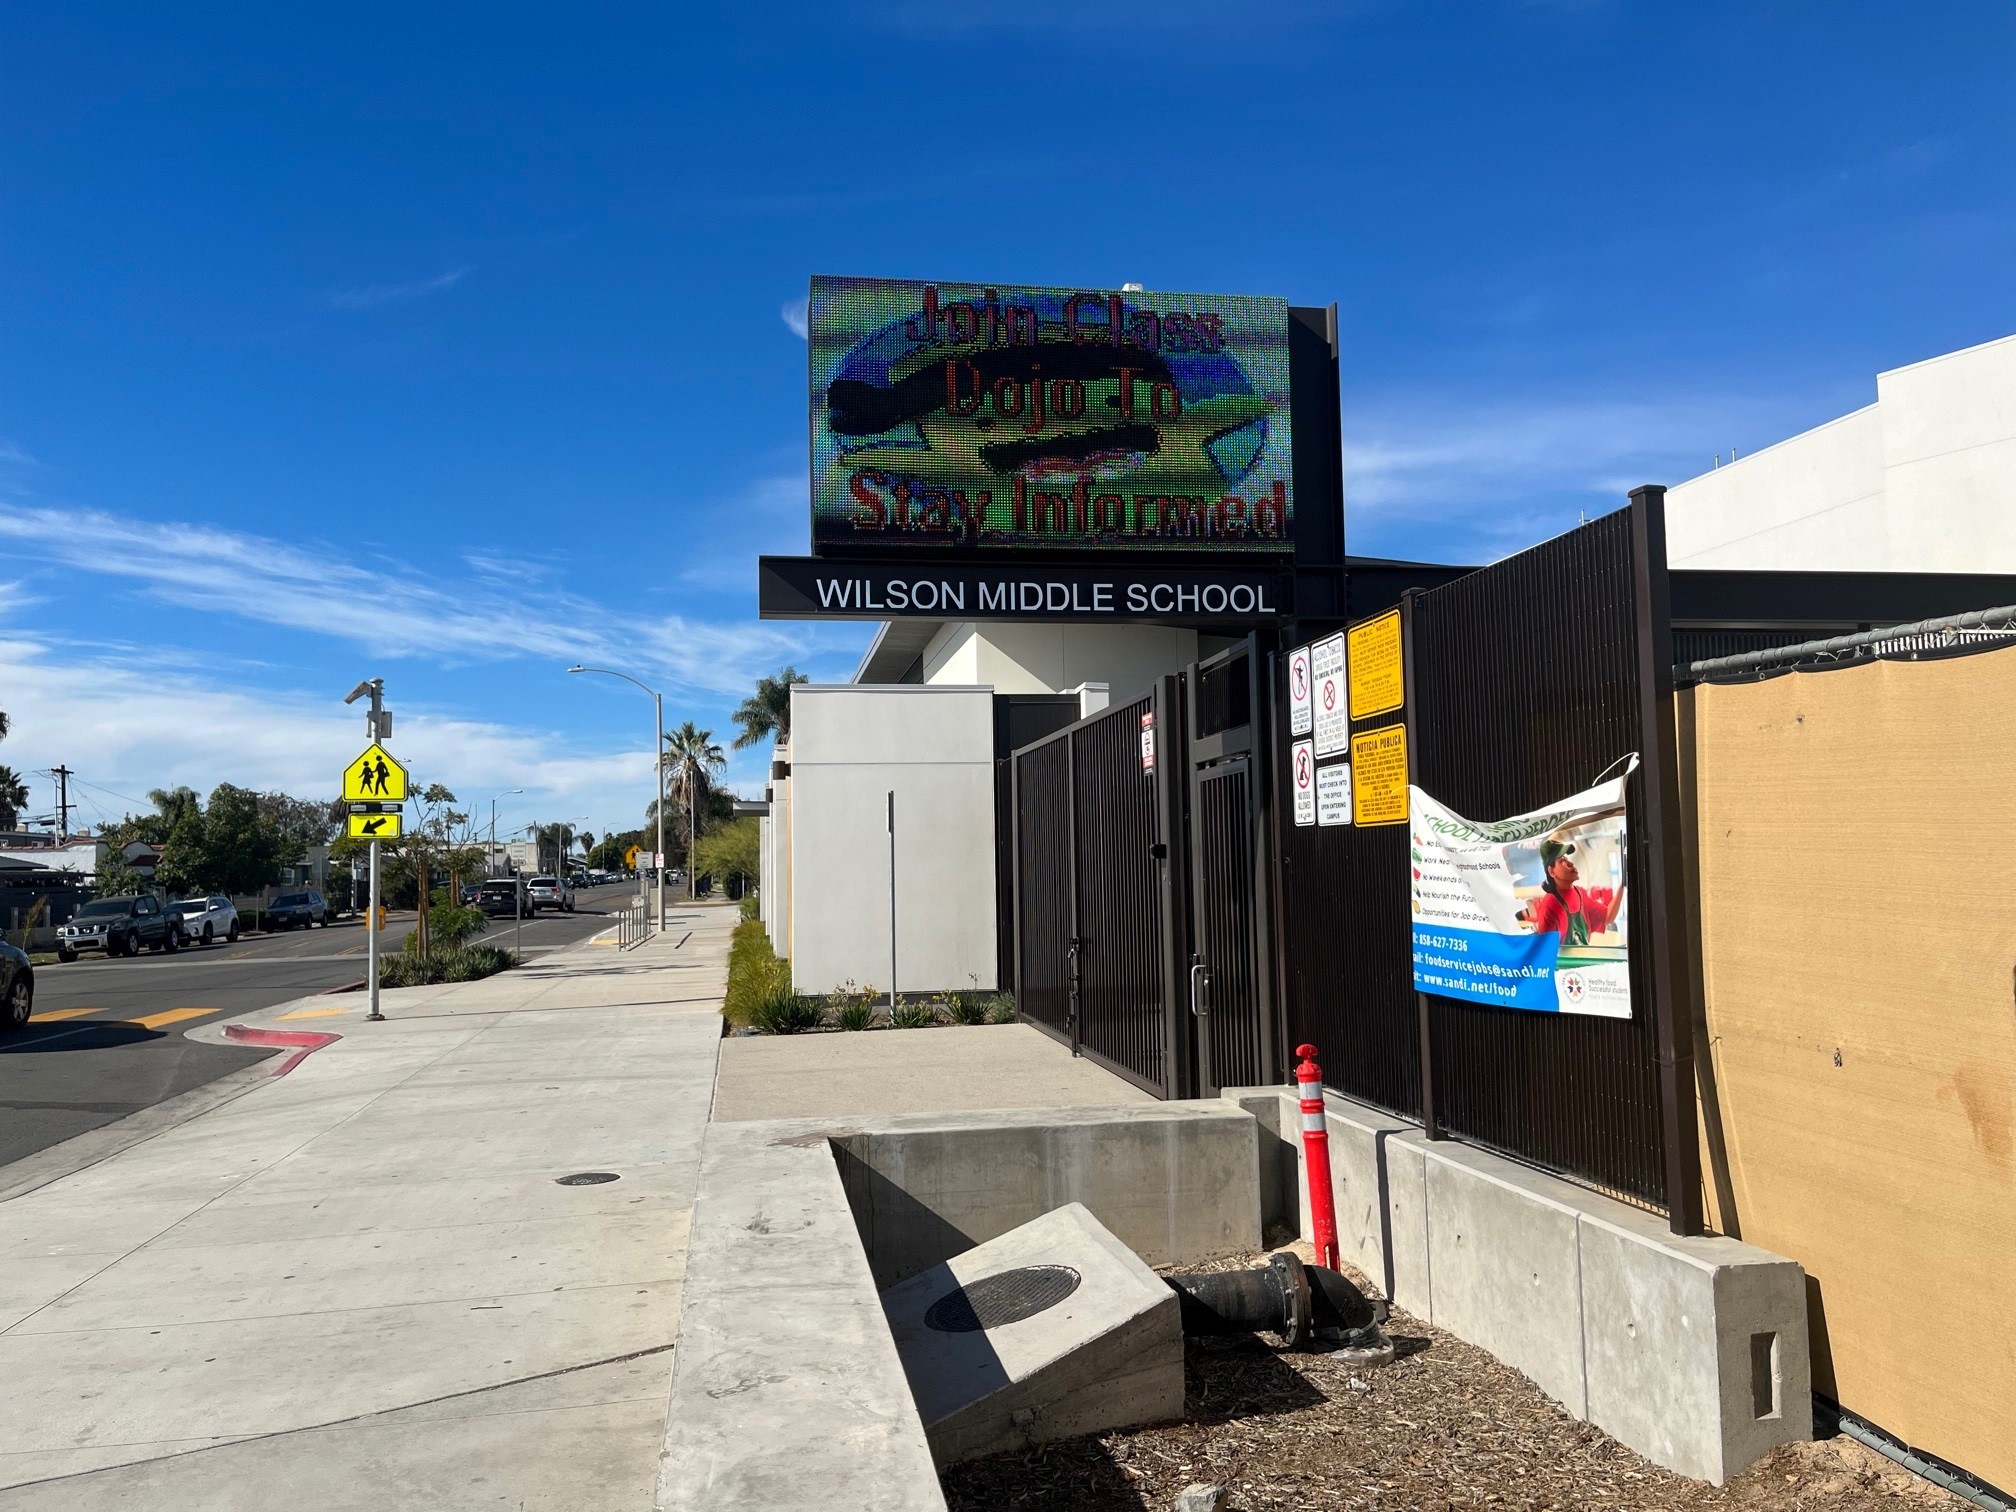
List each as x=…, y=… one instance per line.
x=1108, y=1354
x=1176, y=1182
x=1505, y=1269
x=1405, y=1166
x=1696, y=1349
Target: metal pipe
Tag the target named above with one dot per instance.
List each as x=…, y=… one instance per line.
x=1298, y=1303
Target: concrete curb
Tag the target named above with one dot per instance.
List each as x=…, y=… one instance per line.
x=304, y=1042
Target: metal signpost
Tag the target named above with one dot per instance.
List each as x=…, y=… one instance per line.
x=374, y=794
x=892, y=904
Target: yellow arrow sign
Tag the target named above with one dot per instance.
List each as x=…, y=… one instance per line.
x=375, y=826
x=374, y=775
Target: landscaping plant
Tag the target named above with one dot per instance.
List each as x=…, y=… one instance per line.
x=783, y=1011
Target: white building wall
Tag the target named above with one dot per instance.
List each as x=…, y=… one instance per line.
x=850, y=746
x=1923, y=480
x=1028, y=658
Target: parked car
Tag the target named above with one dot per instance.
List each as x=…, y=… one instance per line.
x=17, y=988
x=118, y=926
x=202, y=920
x=504, y=899
x=470, y=893
x=296, y=909
x=551, y=892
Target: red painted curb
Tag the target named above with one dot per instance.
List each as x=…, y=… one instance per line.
x=308, y=1041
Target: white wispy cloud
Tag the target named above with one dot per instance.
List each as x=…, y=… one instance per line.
x=370, y=296
x=126, y=725
x=398, y=612
x=16, y=456
x=796, y=315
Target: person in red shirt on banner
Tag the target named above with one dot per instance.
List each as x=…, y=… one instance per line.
x=1564, y=908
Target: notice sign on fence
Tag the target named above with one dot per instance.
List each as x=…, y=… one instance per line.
x=1299, y=715
x=1526, y=912
x=1304, y=762
x=1379, y=781
x=1378, y=683
x=1333, y=718
x=1333, y=793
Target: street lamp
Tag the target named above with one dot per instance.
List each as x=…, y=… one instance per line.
x=490, y=860
x=657, y=755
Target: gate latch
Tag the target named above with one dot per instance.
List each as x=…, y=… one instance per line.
x=1200, y=987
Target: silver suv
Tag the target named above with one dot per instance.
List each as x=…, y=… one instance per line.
x=551, y=892
x=203, y=920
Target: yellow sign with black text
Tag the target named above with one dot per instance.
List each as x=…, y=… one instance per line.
x=374, y=775
x=1379, y=776
x=375, y=826
x=1378, y=679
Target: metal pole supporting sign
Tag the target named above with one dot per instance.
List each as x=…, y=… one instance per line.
x=371, y=934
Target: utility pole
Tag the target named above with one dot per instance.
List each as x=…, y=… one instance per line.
x=62, y=774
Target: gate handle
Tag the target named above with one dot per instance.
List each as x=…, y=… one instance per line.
x=1200, y=982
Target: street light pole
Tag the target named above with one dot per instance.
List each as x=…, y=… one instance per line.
x=490, y=859
x=658, y=756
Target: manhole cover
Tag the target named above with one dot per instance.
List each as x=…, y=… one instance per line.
x=588, y=1178
x=1008, y=1297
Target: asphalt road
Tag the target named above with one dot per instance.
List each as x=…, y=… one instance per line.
x=108, y=1036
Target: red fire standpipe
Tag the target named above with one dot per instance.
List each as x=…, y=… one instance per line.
x=1316, y=1156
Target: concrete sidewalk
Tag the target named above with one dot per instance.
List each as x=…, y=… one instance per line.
x=360, y=1285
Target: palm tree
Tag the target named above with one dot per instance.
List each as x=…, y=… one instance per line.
x=768, y=710
x=13, y=797
x=692, y=761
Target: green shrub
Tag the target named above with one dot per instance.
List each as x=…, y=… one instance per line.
x=969, y=1007
x=455, y=963
x=754, y=972
x=1002, y=1010
x=748, y=906
x=913, y=1016
x=783, y=1011
x=854, y=1013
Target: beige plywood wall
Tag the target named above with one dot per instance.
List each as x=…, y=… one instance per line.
x=1855, y=835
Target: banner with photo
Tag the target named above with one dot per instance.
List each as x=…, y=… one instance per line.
x=1527, y=912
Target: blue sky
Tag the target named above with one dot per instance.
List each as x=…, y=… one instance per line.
x=452, y=343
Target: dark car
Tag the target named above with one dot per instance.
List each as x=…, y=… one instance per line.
x=297, y=909
x=119, y=926
x=504, y=900
x=17, y=989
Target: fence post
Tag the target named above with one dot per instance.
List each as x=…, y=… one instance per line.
x=1668, y=919
x=1170, y=853
x=1430, y=1124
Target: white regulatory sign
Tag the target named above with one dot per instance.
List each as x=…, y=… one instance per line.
x=1304, y=760
x=1299, y=715
x=1332, y=707
x=1333, y=793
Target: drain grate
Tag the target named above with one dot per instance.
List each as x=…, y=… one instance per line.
x=587, y=1178
x=1008, y=1297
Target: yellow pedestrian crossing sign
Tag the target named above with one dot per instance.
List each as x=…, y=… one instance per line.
x=630, y=857
x=374, y=775
x=375, y=826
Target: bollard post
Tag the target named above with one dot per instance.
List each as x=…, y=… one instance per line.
x=1316, y=1156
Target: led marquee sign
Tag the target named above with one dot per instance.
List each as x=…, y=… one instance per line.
x=967, y=418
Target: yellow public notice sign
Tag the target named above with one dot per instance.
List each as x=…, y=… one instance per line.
x=1379, y=776
x=374, y=775
x=1378, y=683
x=375, y=826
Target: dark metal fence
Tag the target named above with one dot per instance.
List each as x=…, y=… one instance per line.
x=1526, y=680
x=1346, y=948
x=1093, y=904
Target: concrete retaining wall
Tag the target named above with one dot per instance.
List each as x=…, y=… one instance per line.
x=1691, y=1351
x=787, y=1391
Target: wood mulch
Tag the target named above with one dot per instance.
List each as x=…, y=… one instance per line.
x=1445, y=1426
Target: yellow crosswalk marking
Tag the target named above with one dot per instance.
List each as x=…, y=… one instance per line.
x=170, y=1016
x=313, y=1013
x=62, y=1013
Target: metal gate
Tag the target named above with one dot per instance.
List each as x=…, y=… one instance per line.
x=1231, y=994
x=1098, y=935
